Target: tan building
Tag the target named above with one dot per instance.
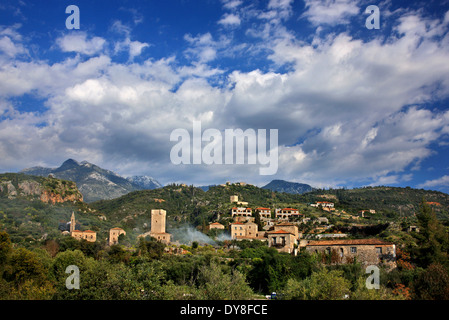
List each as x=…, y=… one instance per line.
x=234, y=199
x=114, y=233
x=366, y=251
x=290, y=227
x=282, y=240
x=248, y=230
x=265, y=213
x=215, y=225
x=88, y=235
x=158, y=217
x=241, y=212
x=286, y=213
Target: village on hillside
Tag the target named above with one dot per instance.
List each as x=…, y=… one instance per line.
x=278, y=228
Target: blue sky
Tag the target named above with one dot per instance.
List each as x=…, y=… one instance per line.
x=353, y=106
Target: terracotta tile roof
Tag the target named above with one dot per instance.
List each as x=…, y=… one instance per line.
x=348, y=242
x=279, y=232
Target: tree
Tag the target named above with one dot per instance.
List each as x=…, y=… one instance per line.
x=217, y=285
x=257, y=220
x=25, y=265
x=433, y=283
x=321, y=285
x=5, y=249
x=433, y=242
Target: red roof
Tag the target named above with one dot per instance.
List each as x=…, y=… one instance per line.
x=279, y=232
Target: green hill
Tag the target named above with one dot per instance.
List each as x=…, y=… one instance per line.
x=29, y=217
x=33, y=209
x=387, y=200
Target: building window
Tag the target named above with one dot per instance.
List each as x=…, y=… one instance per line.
x=353, y=249
x=379, y=250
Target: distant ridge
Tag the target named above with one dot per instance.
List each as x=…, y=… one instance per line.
x=288, y=187
x=94, y=182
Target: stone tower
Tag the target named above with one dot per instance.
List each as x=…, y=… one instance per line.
x=158, y=220
x=158, y=225
x=72, y=223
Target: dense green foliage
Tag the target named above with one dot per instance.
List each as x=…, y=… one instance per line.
x=34, y=254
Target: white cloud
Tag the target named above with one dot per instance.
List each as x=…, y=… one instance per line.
x=346, y=110
x=330, y=12
x=78, y=42
x=230, y=20
x=134, y=48
x=440, y=182
x=231, y=4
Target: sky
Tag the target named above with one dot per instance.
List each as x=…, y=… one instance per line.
x=352, y=106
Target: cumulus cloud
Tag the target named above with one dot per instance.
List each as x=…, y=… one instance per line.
x=330, y=12
x=79, y=42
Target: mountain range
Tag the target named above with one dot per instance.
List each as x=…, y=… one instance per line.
x=93, y=182
x=288, y=187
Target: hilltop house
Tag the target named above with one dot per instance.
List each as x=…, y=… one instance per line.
x=286, y=213
x=265, y=213
x=241, y=212
x=323, y=204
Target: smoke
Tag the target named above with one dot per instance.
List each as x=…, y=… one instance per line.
x=188, y=234
x=224, y=236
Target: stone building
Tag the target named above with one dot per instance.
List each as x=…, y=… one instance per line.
x=88, y=235
x=282, y=240
x=284, y=237
x=248, y=230
x=215, y=225
x=114, y=233
x=287, y=226
x=158, y=217
x=365, y=251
